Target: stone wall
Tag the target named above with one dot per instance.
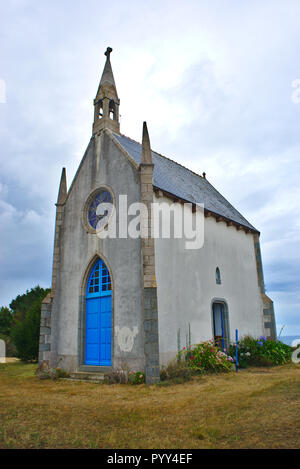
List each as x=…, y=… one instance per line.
x=267, y=303
x=269, y=317
x=151, y=335
x=45, y=330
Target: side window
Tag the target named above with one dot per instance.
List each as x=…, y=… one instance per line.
x=218, y=276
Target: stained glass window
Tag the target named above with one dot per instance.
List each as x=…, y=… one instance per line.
x=99, y=280
x=102, y=197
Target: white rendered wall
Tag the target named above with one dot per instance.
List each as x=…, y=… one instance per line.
x=186, y=285
x=104, y=164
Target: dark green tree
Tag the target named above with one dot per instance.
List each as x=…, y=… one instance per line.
x=22, y=303
x=26, y=329
x=6, y=321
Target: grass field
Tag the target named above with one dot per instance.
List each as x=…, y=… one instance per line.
x=257, y=408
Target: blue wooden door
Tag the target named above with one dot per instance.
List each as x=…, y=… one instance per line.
x=221, y=326
x=98, y=317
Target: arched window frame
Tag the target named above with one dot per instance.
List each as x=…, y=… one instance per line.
x=112, y=110
x=100, y=109
x=99, y=282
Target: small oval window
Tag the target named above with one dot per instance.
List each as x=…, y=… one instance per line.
x=218, y=276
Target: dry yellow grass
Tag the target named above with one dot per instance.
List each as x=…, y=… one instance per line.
x=251, y=409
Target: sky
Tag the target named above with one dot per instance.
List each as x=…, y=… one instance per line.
x=218, y=82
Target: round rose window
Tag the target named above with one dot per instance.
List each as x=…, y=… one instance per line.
x=100, y=209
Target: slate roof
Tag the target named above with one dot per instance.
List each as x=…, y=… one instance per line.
x=181, y=182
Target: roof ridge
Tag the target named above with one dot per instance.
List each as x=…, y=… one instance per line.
x=166, y=157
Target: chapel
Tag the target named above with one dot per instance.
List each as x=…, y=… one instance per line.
x=125, y=298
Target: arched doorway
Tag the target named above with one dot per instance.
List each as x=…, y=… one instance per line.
x=98, y=316
x=221, y=325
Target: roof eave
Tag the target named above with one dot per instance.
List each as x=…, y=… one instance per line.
x=207, y=212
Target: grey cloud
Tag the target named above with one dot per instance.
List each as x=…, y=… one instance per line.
x=231, y=107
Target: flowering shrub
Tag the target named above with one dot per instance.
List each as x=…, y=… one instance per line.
x=123, y=376
x=245, y=353
x=136, y=377
x=261, y=352
x=206, y=356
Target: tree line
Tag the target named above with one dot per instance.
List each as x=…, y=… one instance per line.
x=20, y=324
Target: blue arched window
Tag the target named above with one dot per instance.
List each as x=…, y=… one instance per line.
x=218, y=276
x=99, y=283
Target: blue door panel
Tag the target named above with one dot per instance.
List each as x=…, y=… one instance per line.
x=98, y=318
x=93, y=336
x=93, y=351
x=92, y=319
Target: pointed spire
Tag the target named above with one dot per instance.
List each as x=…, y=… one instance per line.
x=62, y=193
x=146, y=149
x=107, y=75
x=106, y=114
x=107, y=83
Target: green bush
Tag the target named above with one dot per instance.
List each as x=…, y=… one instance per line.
x=123, y=376
x=206, y=356
x=137, y=377
x=261, y=352
x=61, y=373
x=245, y=351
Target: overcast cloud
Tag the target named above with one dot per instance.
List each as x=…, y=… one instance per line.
x=212, y=78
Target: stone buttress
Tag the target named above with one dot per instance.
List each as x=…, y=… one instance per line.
x=45, y=349
x=150, y=307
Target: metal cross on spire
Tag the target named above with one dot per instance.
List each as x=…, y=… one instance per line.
x=107, y=52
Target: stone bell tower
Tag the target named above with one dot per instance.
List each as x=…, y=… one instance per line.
x=107, y=102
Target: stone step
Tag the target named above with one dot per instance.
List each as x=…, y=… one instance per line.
x=87, y=376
